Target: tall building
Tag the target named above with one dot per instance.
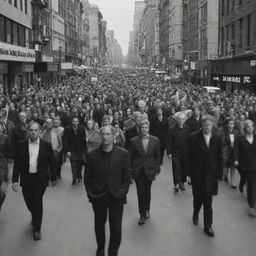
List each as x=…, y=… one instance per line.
x=110, y=47
x=156, y=57
x=97, y=35
x=176, y=36
x=236, y=66
x=42, y=24
x=85, y=33
x=163, y=7
x=137, y=29
x=17, y=56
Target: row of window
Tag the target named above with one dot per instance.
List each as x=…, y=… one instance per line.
x=21, y=4
x=227, y=6
x=14, y=33
x=230, y=41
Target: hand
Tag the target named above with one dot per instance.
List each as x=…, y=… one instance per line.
x=236, y=163
x=3, y=188
x=54, y=183
x=15, y=187
x=170, y=156
x=68, y=154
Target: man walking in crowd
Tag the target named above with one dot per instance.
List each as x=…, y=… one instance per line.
x=75, y=146
x=177, y=150
x=107, y=179
x=145, y=157
x=159, y=127
x=206, y=166
x=33, y=161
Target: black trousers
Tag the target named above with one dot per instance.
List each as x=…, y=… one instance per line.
x=162, y=150
x=76, y=168
x=58, y=161
x=33, y=197
x=250, y=177
x=205, y=200
x=108, y=205
x=179, y=169
x=143, y=185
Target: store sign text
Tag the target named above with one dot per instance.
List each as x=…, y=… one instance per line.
x=232, y=79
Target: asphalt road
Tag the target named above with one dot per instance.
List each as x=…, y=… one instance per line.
x=68, y=230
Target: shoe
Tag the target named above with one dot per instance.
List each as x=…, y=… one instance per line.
x=176, y=189
x=241, y=187
x=182, y=187
x=100, y=252
x=233, y=186
x=142, y=220
x=37, y=235
x=209, y=232
x=147, y=215
x=74, y=182
x=252, y=212
x=78, y=180
x=195, y=219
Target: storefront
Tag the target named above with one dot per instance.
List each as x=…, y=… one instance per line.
x=235, y=73
x=16, y=68
x=46, y=69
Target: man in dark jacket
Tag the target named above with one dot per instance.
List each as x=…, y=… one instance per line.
x=206, y=165
x=107, y=179
x=145, y=157
x=159, y=127
x=194, y=122
x=33, y=162
x=75, y=146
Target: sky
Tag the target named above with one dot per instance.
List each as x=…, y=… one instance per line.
x=119, y=17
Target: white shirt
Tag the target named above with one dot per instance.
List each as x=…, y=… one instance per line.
x=232, y=139
x=33, y=149
x=207, y=138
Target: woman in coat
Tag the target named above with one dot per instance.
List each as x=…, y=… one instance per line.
x=93, y=136
x=229, y=140
x=245, y=160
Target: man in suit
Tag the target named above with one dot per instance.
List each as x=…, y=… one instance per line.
x=74, y=139
x=145, y=157
x=107, y=179
x=206, y=165
x=159, y=127
x=32, y=163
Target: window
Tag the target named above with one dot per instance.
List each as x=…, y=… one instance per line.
x=21, y=37
x=27, y=37
x=2, y=29
x=222, y=7
x=15, y=3
x=249, y=30
x=241, y=33
x=26, y=6
x=8, y=31
x=227, y=7
x=21, y=5
x=240, y=2
x=233, y=32
x=222, y=41
x=15, y=33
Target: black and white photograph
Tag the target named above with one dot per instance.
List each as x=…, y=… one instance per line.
x=127, y=127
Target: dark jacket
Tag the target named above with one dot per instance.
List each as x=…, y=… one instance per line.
x=193, y=125
x=129, y=134
x=116, y=181
x=45, y=163
x=148, y=162
x=206, y=164
x=19, y=133
x=159, y=130
x=245, y=154
x=75, y=143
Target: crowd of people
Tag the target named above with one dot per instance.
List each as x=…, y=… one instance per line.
x=77, y=115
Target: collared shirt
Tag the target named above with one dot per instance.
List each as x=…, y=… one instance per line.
x=232, y=139
x=207, y=138
x=145, y=141
x=33, y=155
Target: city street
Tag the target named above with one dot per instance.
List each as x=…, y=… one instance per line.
x=68, y=230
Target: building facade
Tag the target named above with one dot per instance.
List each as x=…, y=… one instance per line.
x=17, y=56
x=236, y=66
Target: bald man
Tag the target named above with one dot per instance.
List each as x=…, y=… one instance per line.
x=32, y=169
